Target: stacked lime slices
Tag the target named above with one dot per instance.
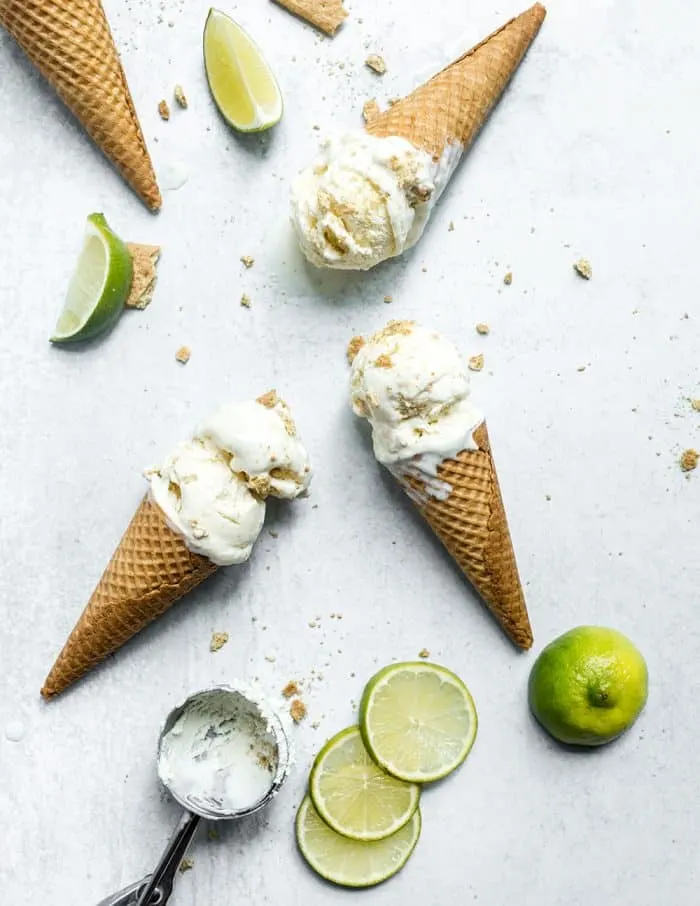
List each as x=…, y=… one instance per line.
x=360, y=822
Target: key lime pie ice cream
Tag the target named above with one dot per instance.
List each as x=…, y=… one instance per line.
x=370, y=194
x=412, y=386
x=205, y=508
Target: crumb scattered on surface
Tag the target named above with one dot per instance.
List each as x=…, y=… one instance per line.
x=248, y=261
x=327, y=15
x=383, y=361
x=187, y=864
x=376, y=63
x=508, y=279
x=273, y=534
x=450, y=226
x=291, y=689
x=547, y=496
x=483, y=329
x=164, y=110
x=424, y=653
x=315, y=725
x=370, y=109
x=388, y=299
x=297, y=710
x=583, y=268
x=180, y=97
x=695, y=404
x=354, y=346
x=218, y=640
x=581, y=368
x=183, y=355
x=270, y=658
x=476, y=362
x=245, y=300
x=689, y=460
x=145, y=262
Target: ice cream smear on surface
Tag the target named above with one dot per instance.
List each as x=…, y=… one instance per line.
x=412, y=386
x=220, y=754
x=212, y=488
x=367, y=199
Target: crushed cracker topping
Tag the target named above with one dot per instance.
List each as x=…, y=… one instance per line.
x=354, y=346
x=376, y=63
x=245, y=300
x=483, y=329
x=508, y=279
x=476, y=362
x=695, y=404
x=297, y=710
x=291, y=689
x=424, y=653
x=183, y=355
x=180, y=97
x=218, y=640
x=583, y=268
x=248, y=261
x=370, y=109
x=689, y=460
x=388, y=299
x=187, y=864
x=164, y=110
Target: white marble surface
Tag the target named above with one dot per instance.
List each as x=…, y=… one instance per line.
x=592, y=152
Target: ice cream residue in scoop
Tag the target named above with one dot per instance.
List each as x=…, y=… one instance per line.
x=212, y=488
x=412, y=385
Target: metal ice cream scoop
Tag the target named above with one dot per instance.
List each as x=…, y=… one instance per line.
x=222, y=754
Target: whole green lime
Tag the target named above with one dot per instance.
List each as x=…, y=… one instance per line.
x=588, y=686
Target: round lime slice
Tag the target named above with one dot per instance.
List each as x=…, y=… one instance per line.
x=354, y=796
x=241, y=82
x=418, y=721
x=352, y=863
x=99, y=286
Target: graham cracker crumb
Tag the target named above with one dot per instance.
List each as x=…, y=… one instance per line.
x=451, y=226
x=180, y=97
x=583, y=268
x=269, y=400
x=508, y=279
x=164, y=110
x=218, y=640
x=291, y=689
x=424, y=653
x=354, y=346
x=370, y=109
x=695, y=404
x=270, y=658
x=476, y=362
x=145, y=261
x=297, y=710
x=245, y=300
x=327, y=15
x=183, y=355
x=376, y=63
x=483, y=329
x=581, y=368
x=384, y=361
x=187, y=864
x=388, y=299
x=689, y=460
x=248, y=261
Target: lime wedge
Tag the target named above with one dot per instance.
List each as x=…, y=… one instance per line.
x=99, y=286
x=352, y=863
x=355, y=797
x=242, y=84
x=418, y=721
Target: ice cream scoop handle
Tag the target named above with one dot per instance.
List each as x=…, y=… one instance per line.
x=160, y=884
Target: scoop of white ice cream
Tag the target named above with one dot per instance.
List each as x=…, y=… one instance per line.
x=212, y=488
x=365, y=200
x=412, y=386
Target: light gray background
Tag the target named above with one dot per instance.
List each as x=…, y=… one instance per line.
x=592, y=152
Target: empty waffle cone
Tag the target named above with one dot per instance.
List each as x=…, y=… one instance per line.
x=150, y=570
x=471, y=523
x=453, y=106
x=70, y=42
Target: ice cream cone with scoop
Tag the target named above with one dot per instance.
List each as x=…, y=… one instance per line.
x=412, y=386
x=370, y=195
x=70, y=43
x=205, y=509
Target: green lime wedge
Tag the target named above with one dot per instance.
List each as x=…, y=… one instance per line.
x=352, y=863
x=354, y=796
x=418, y=721
x=99, y=286
x=241, y=82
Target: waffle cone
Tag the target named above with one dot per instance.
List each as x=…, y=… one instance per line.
x=150, y=570
x=471, y=523
x=454, y=104
x=70, y=42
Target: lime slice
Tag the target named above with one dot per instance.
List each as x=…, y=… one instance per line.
x=418, y=721
x=99, y=286
x=353, y=863
x=355, y=797
x=242, y=84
